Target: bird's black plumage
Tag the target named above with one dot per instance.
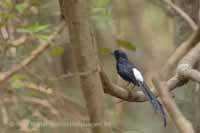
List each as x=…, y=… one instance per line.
x=129, y=72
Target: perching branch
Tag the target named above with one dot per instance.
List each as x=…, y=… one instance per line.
x=173, y=82
x=122, y=93
x=164, y=88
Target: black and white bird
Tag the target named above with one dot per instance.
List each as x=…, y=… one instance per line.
x=129, y=72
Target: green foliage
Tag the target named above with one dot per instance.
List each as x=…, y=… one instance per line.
x=101, y=15
x=126, y=44
x=38, y=30
x=21, y=7
x=7, y=3
x=18, y=77
x=104, y=51
x=5, y=16
x=6, y=45
x=100, y=11
x=5, y=12
x=33, y=28
x=16, y=81
x=57, y=51
x=35, y=2
x=101, y=3
x=17, y=84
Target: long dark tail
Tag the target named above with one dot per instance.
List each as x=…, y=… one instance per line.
x=153, y=100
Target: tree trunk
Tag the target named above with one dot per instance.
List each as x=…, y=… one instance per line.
x=76, y=15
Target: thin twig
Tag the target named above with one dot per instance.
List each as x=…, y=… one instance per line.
x=179, y=53
x=183, y=14
x=42, y=102
x=71, y=75
x=4, y=113
x=34, y=54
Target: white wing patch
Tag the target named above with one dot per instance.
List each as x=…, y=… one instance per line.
x=138, y=74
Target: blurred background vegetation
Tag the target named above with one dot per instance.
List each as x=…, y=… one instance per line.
x=41, y=93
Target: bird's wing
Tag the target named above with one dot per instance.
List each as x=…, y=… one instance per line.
x=125, y=71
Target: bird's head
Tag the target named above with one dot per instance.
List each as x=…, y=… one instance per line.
x=119, y=54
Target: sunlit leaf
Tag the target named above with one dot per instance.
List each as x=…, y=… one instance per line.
x=101, y=15
x=34, y=28
x=2, y=23
x=101, y=3
x=36, y=2
x=18, y=77
x=16, y=81
x=21, y=7
x=17, y=84
x=8, y=16
x=126, y=44
x=33, y=94
x=7, y=3
x=104, y=51
x=6, y=45
x=57, y=51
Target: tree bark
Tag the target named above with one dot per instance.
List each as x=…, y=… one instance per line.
x=75, y=13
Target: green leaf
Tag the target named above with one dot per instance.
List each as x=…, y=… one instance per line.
x=17, y=84
x=2, y=23
x=104, y=51
x=16, y=81
x=21, y=7
x=126, y=44
x=57, y=51
x=18, y=77
x=34, y=28
x=33, y=94
x=7, y=3
x=101, y=15
x=6, y=45
x=101, y=3
x=8, y=16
